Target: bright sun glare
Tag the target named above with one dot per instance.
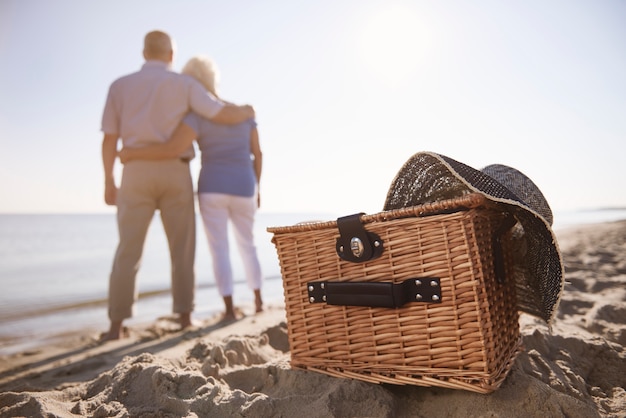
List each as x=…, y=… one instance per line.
x=393, y=42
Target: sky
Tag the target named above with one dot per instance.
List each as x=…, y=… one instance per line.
x=345, y=91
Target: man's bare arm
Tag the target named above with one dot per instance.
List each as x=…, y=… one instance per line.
x=232, y=114
x=205, y=104
x=109, y=154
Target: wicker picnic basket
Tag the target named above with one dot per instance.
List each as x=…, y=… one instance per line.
x=431, y=306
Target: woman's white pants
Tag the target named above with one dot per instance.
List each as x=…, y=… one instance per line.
x=217, y=210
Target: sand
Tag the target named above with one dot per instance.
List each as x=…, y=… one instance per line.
x=241, y=369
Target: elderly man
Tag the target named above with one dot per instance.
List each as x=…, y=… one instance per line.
x=142, y=108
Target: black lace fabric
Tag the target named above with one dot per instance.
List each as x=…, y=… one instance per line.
x=538, y=270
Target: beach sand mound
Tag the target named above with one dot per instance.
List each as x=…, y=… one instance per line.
x=241, y=369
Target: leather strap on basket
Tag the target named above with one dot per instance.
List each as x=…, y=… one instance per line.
x=376, y=294
x=355, y=243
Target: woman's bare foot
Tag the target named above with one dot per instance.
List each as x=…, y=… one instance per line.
x=228, y=316
x=229, y=309
x=258, y=302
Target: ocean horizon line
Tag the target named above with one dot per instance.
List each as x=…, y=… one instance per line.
x=291, y=212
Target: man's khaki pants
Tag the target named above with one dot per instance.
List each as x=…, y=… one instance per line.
x=147, y=186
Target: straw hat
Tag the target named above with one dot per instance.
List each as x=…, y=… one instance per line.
x=537, y=264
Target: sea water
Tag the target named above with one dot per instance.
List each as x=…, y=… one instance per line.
x=54, y=271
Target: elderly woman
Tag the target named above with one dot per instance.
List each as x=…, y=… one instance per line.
x=228, y=184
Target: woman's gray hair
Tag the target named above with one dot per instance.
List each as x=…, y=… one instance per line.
x=203, y=69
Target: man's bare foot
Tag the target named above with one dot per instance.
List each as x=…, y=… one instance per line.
x=185, y=320
x=116, y=332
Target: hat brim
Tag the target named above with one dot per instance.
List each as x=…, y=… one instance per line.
x=429, y=177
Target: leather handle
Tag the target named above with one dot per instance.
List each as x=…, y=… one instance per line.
x=376, y=294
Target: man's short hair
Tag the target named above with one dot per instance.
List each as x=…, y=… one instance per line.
x=157, y=45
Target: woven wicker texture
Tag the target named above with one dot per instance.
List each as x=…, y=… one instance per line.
x=537, y=265
x=468, y=341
